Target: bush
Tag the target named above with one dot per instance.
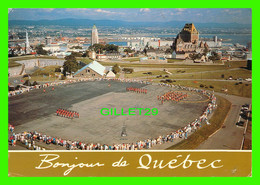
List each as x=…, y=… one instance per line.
x=212, y=87
x=128, y=70
x=57, y=69
x=201, y=85
x=63, y=77
x=27, y=83
x=35, y=83
x=166, y=76
x=116, y=69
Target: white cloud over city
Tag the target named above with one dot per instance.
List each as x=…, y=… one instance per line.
x=136, y=14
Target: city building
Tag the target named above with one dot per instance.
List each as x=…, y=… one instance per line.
x=187, y=39
x=179, y=55
x=214, y=43
x=101, y=57
x=94, y=35
x=92, y=55
x=114, y=55
x=141, y=43
x=48, y=40
x=27, y=44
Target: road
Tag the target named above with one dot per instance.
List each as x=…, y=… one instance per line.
x=230, y=136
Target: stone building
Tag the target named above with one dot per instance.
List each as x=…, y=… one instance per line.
x=187, y=39
x=93, y=69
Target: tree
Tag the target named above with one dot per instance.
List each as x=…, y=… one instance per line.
x=128, y=70
x=76, y=47
x=85, y=54
x=76, y=54
x=70, y=65
x=128, y=50
x=145, y=51
x=214, y=56
x=116, y=69
x=111, y=48
x=35, y=83
x=205, y=51
x=40, y=50
x=169, y=50
x=97, y=48
x=195, y=56
x=27, y=83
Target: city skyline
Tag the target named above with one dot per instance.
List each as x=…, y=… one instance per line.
x=204, y=15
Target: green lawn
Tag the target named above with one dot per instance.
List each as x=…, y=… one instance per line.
x=42, y=74
x=239, y=73
x=48, y=70
x=172, y=60
x=41, y=79
x=141, y=74
x=233, y=64
x=205, y=131
x=86, y=60
x=13, y=64
x=134, y=59
x=244, y=89
x=28, y=57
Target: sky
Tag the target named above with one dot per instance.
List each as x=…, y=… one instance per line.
x=204, y=15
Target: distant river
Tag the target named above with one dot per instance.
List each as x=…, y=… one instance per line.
x=119, y=43
x=233, y=38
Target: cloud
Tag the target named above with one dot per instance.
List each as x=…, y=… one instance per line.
x=145, y=10
x=76, y=9
x=108, y=12
x=232, y=11
x=47, y=9
x=180, y=9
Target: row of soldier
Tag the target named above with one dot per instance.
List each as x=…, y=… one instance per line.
x=67, y=113
x=137, y=90
x=172, y=96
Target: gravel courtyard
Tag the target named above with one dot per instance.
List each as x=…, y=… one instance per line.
x=36, y=111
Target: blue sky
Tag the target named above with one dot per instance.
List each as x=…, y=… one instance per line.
x=136, y=14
